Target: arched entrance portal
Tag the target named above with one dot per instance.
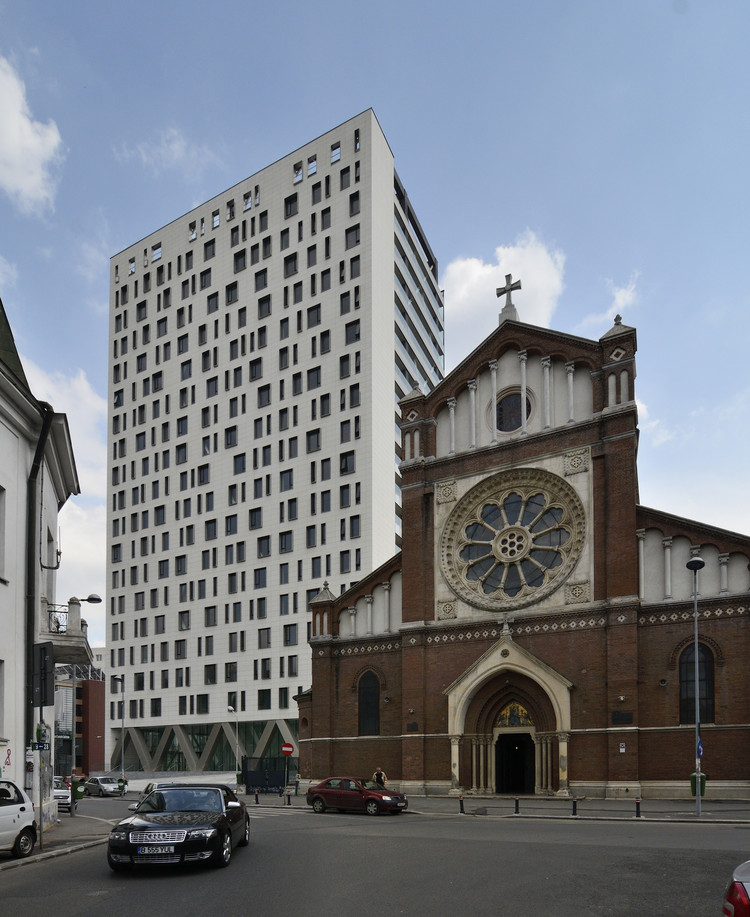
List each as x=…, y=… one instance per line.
x=514, y=763
x=509, y=722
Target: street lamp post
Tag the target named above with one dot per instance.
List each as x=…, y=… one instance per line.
x=236, y=741
x=121, y=679
x=695, y=564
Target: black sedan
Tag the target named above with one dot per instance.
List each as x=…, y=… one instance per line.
x=180, y=824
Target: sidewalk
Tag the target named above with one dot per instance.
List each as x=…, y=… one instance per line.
x=72, y=833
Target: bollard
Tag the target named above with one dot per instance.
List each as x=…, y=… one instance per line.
x=516, y=810
x=575, y=806
x=288, y=798
x=461, y=805
x=638, y=807
x=256, y=798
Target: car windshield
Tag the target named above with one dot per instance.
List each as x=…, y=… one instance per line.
x=107, y=780
x=183, y=800
x=370, y=785
x=60, y=784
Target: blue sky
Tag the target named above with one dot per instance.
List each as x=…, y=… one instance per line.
x=596, y=149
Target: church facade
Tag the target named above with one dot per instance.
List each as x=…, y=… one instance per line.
x=536, y=633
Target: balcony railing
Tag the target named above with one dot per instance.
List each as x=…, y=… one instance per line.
x=58, y=619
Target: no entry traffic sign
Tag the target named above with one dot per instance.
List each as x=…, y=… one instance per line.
x=287, y=748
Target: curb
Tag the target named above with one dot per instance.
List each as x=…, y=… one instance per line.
x=52, y=854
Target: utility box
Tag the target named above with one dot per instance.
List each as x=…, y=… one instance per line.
x=693, y=781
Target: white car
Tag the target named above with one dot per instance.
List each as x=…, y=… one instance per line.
x=17, y=822
x=62, y=792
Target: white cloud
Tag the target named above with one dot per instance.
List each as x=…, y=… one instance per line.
x=30, y=152
x=8, y=274
x=655, y=430
x=172, y=150
x=83, y=561
x=83, y=519
x=87, y=417
x=471, y=305
x=94, y=262
x=622, y=299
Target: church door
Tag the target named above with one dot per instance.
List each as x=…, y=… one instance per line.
x=514, y=763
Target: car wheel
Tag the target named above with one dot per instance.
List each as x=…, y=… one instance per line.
x=115, y=867
x=24, y=843
x=223, y=855
x=318, y=805
x=372, y=807
x=246, y=835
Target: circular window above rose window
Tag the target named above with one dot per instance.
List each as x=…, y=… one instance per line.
x=513, y=539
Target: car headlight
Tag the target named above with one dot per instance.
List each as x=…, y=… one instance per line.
x=387, y=798
x=118, y=834
x=202, y=834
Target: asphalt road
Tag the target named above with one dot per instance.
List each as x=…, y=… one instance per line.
x=336, y=864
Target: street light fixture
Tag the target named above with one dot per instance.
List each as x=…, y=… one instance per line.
x=121, y=679
x=695, y=564
x=231, y=709
x=93, y=598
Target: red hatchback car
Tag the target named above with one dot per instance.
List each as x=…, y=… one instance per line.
x=355, y=796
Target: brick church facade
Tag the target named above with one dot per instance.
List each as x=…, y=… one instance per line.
x=536, y=632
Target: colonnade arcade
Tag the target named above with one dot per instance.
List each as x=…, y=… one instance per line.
x=509, y=722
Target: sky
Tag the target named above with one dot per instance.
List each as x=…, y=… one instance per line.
x=595, y=149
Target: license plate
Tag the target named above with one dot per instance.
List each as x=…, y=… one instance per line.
x=163, y=848
x=400, y=804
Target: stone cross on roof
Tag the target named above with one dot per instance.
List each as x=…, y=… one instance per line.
x=509, y=310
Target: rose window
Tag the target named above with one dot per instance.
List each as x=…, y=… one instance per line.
x=509, y=546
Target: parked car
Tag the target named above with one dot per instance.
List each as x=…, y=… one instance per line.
x=102, y=786
x=61, y=788
x=150, y=787
x=17, y=822
x=179, y=824
x=355, y=795
x=737, y=894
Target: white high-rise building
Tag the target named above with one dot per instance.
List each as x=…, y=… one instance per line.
x=259, y=346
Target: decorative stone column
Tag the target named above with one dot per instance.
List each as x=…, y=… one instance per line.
x=569, y=371
x=474, y=756
x=641, y=536
x=562, y=750
x=352, y=621
x=368, y=602
x=491, y=786
x=522, y=356
x=695, y=551
x=546, y=363
x=387, y=590
x=472, y=387
x=455, y=762
x=667, y=543
x=723, y=573
x=452, y=412
x=493, y=371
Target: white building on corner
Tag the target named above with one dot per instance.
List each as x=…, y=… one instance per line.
x=259, y=346
x=37, y=475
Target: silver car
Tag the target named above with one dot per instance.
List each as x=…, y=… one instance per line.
x=737, y=894
x=103, y=786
